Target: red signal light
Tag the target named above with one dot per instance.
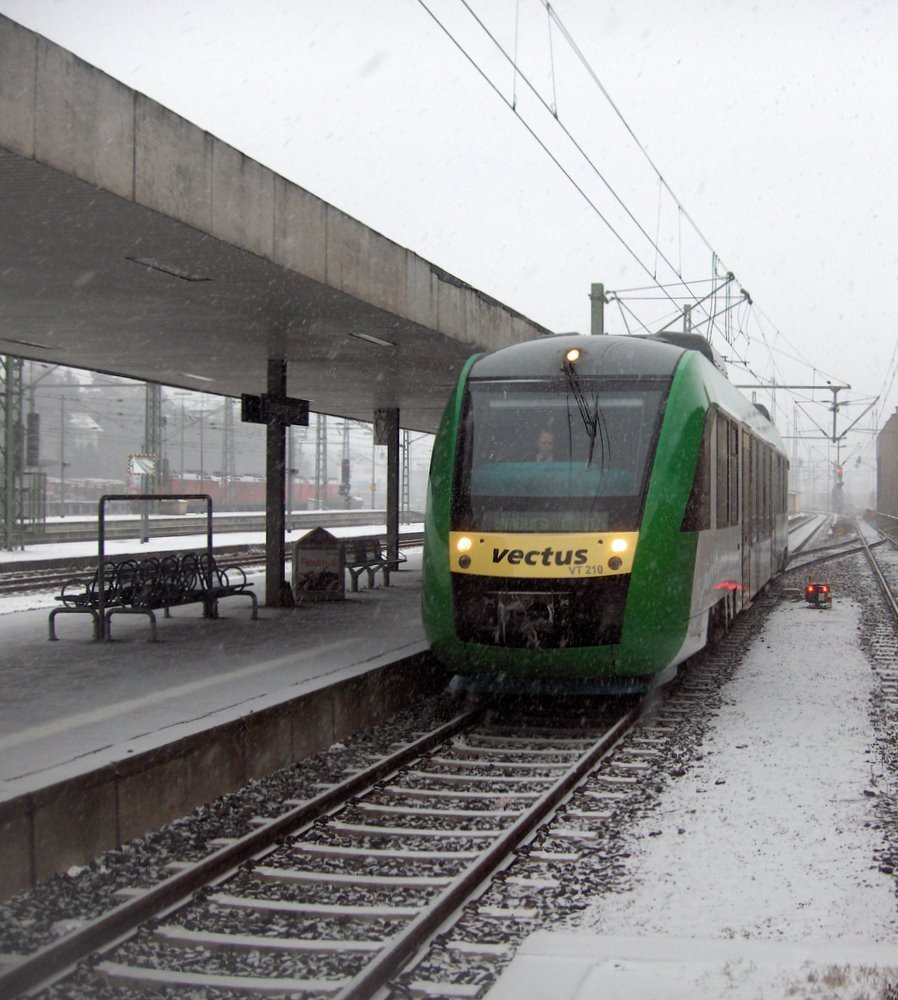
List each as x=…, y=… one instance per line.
x=818, y=595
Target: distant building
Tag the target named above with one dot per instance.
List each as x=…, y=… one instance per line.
x=887, y=467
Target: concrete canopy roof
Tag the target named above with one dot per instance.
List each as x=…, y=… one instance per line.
x=134, y=243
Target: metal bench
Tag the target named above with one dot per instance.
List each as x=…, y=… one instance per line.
x=223, y=581
x=365, y=555
x=171, y=583
x=149, y=585
x=81, y=596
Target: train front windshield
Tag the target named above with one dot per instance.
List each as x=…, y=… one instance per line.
x=549, y=456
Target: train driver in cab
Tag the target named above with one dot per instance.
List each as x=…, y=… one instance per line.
x=545, y=446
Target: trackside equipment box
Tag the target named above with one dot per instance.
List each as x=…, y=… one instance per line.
x=818, y=595
x=318, y=568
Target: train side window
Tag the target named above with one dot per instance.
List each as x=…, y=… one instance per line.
x=733, y=474
x=759, y=486
x=722, y=470
x=727, y=468
x=698, y=507
x=762, y=486
x=780, y=477
x=754, y=482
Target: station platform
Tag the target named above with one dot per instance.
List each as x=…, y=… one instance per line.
x=127, y=734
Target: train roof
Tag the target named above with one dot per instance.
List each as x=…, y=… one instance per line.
x=635, y=357
x=654, y=356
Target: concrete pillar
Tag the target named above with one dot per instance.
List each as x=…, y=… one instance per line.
x=275, y=469
x=386, y=424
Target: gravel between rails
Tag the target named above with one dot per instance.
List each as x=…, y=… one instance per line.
x=35, y=918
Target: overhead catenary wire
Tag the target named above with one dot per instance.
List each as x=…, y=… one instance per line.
x=760, y=315
x=514, y=65
x=512, y=106
x=552, y=110
x=728, y=335
x=552, y=64
x=731, y=318
x=592, y=74
x=657, y=285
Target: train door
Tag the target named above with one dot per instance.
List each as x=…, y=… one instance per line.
x=747, y=515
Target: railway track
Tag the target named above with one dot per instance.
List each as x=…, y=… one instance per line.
x=804, y=555
x=795, y=526
x=338, y=893
x=883, y=562
x=159, y=525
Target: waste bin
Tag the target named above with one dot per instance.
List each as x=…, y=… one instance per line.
x=318, y=568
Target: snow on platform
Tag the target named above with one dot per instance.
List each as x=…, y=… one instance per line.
x=71, y=706
x=756, y=873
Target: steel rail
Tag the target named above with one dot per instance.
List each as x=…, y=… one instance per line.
x=401, y=948
x=810, y=560
x=811, y=534
x=49, y=963
x=859, y=545
x=877, y=572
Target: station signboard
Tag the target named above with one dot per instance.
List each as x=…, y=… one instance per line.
x=262, y=409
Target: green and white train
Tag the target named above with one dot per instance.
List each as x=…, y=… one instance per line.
x=598, y=508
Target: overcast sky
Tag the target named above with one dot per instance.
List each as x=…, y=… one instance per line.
x=773, y=123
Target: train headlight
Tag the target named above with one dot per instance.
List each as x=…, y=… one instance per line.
x=615, y=563
x=619, y=545
x=572, y=356
x=463, y=547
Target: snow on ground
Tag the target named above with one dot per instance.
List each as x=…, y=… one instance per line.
x=755, y=875
x=36, y=600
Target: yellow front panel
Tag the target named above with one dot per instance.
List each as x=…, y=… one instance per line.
x=542, y=556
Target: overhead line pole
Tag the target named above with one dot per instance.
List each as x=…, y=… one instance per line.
x=834, y=389
x=835, y=438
